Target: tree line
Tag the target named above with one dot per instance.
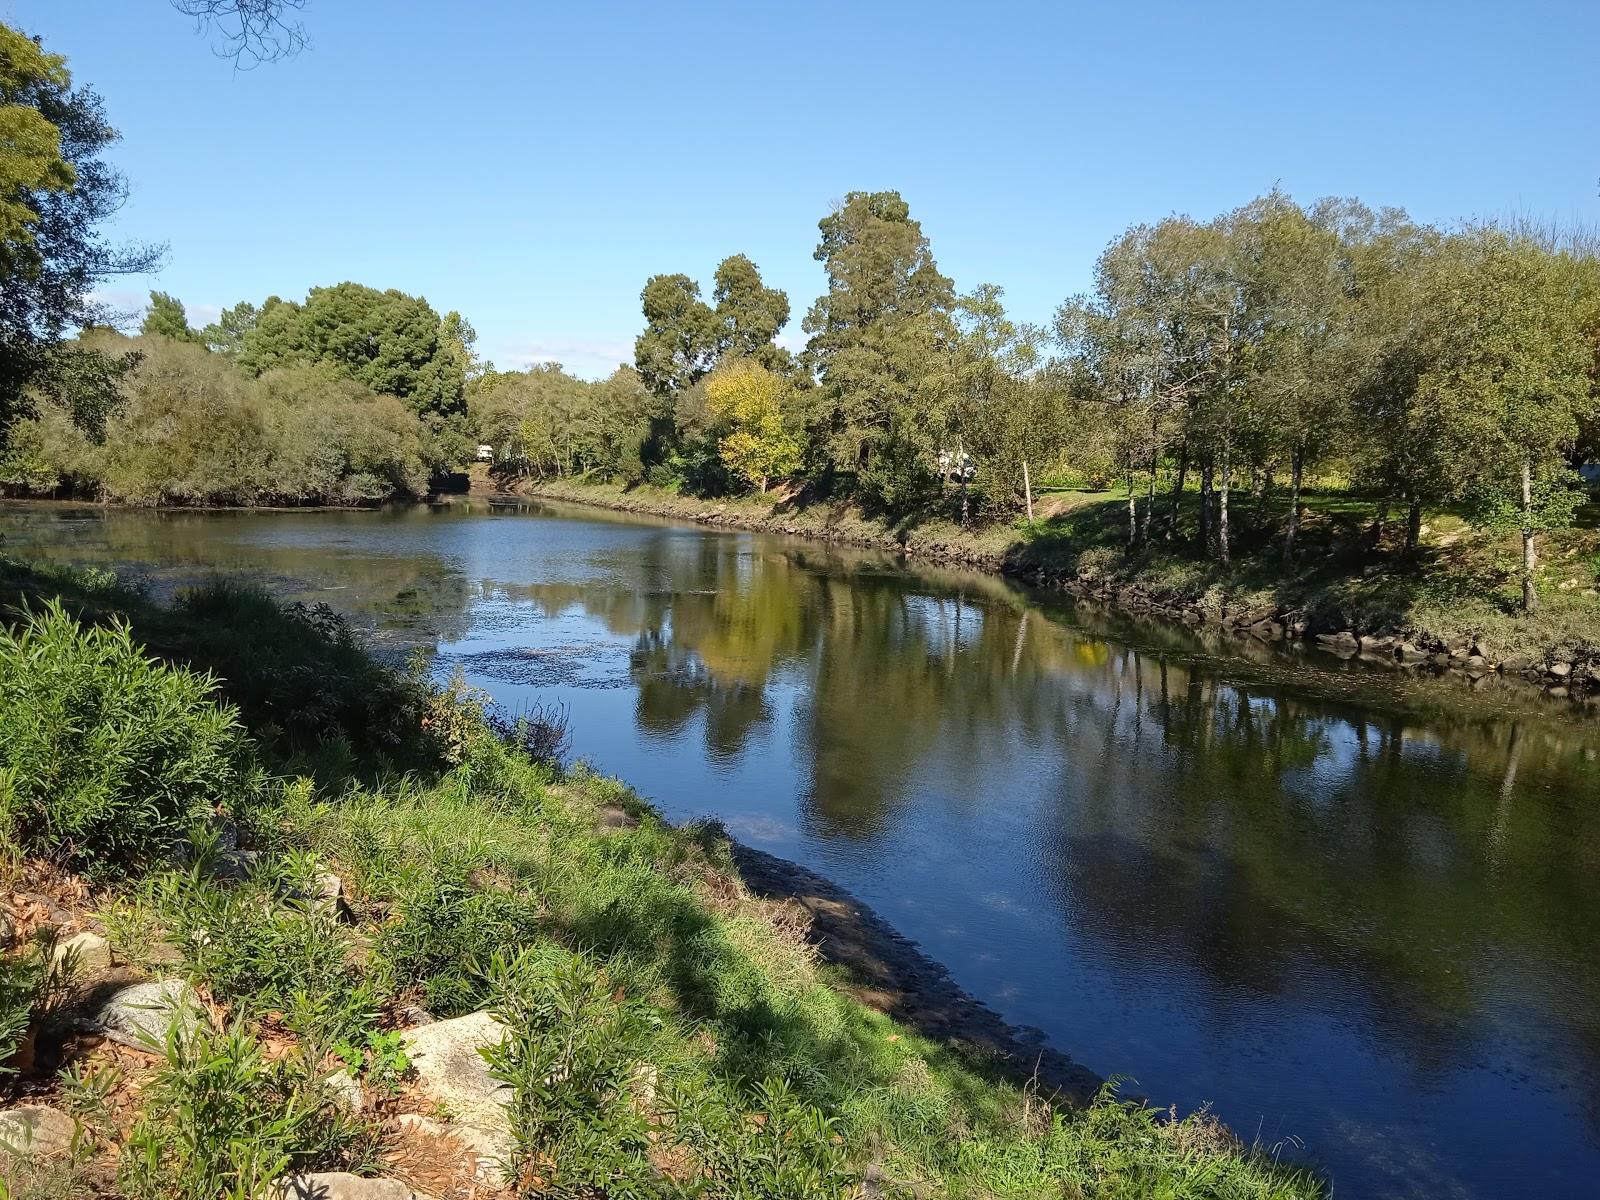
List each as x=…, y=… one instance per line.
x=1424, y=366
x=1272, y=345
x=352, y=396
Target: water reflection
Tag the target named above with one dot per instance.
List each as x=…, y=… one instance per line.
x=1339, y=904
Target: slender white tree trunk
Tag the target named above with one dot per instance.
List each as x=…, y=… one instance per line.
x=1296, y=468
x=1133, y=508
x=1530, y=598
x=1222, y=501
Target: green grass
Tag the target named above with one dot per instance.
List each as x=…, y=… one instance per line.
x=1461, y=585
x=669, y=1038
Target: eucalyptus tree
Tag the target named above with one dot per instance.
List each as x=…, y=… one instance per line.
x=684, y=337
x=749, y=315
x=679, y=344
x=881, y=342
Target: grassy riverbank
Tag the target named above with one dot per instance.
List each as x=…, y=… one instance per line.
x=1459, y=592
x=339, y=858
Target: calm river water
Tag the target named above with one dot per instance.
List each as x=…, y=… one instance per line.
x=1357, y=914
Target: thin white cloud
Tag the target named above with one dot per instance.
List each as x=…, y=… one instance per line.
x=588, y=358
x=124, y=309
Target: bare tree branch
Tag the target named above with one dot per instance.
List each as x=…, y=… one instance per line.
x=249, y=32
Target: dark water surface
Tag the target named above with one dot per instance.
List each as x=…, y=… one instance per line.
x=1356, y=913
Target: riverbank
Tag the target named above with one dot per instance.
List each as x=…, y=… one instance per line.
x=1451, y=611
x=371, y=873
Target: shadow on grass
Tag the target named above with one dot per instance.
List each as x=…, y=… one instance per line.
x=303, y=683
x=1348, y=572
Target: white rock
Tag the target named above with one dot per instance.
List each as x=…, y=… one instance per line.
x=452, y=1072
x=327, y=894
x=341, y=1185
x=142, y=1014
x=35, y=1131
x=89, y=954
x=347, y=1090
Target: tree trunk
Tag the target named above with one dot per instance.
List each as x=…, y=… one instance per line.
x=1177, y=488
x=1296, y=468
x=1027, y=489
x=964, y=503
x=1530, y=598
x=1413, y=524
x=1222, y=504
x=1205, y=505
x=1149, y=500
x=1133, y=509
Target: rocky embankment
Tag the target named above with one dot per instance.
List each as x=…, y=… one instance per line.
x=1417, y=649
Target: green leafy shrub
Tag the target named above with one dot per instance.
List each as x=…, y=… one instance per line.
x=263, y=947
x=220, y=1122
x=570, y=1057
x=108, y=756
x=898, y=478
x=380, y=1059
x=448, y=934
x=781, y=1149
x=33, y=982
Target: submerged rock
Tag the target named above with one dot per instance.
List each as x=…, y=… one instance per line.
x=452, y=1071
x=142, y=1014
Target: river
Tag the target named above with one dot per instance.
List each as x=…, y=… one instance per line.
x=1353, y=911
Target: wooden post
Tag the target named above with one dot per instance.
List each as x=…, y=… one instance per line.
x=1027, y=489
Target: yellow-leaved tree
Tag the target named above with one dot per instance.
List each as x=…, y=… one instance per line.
x=759, y=445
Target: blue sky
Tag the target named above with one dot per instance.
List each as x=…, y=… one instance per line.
x=532, y=163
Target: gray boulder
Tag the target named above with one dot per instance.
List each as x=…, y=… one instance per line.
x=451, y=1070
x=142, y=1014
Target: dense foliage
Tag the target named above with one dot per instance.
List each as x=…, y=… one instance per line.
x=1425, y=368
x=109, y=758
x=56, y=191
x=187, y=427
